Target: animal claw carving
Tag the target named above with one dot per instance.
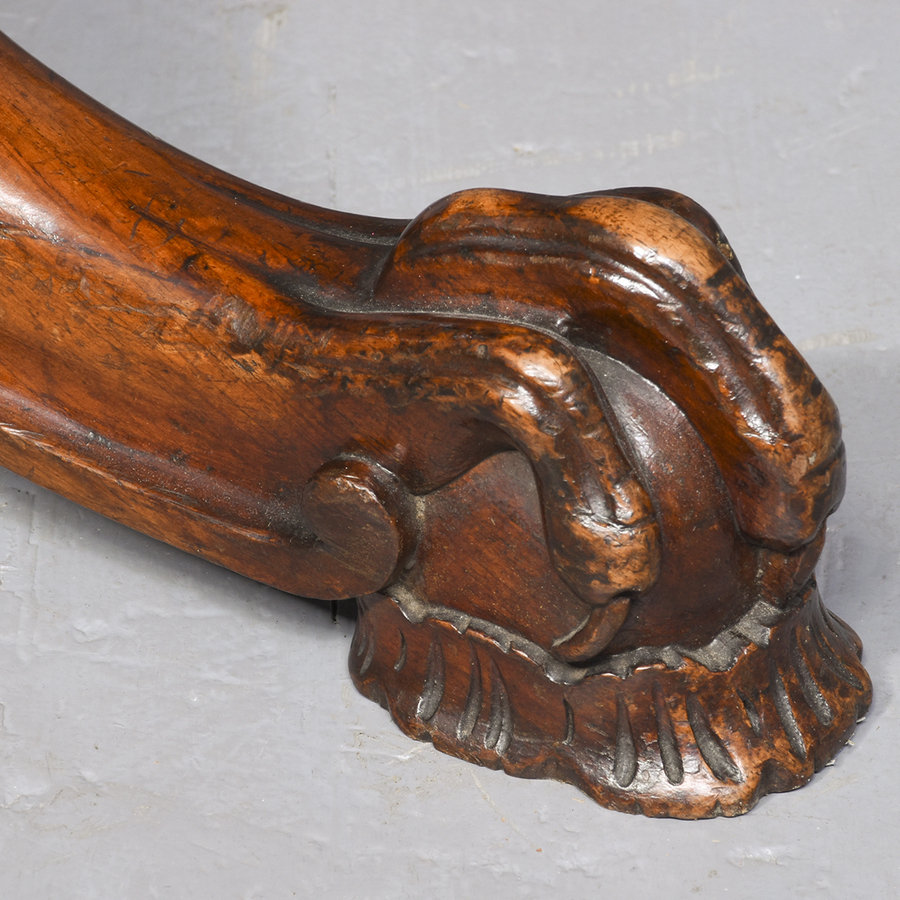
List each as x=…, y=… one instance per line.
x=573, y=471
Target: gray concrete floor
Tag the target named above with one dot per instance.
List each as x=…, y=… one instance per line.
x=172, y=730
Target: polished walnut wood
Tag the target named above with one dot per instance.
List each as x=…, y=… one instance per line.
x=576, y=476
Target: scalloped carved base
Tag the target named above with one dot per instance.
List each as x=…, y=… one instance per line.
x=666, y=740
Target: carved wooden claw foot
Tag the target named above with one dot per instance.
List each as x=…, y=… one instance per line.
x=574, y=472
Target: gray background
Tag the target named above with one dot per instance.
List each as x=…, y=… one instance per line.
x=172, y=730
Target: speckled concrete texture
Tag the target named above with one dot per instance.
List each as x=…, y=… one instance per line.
x=171, y=730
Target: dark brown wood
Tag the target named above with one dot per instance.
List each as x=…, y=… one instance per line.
x=575, y=474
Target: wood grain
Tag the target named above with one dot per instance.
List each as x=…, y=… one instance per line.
x=576, y=475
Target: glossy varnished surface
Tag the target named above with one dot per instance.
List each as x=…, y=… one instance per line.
x=555, y=445
x=231, y=750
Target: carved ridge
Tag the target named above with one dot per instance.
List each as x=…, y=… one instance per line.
x=673, y=764
x=569, y=737
x=811, y=691
x=472, y=709
x=435, y=679
x=711, y=747
x=400, y=664
x=626, y=758
x=831, y=660
x=785, y=712
x=500, y=720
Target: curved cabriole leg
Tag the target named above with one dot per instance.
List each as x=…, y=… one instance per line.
x=574, y=472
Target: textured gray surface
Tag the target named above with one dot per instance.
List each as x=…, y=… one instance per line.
x=171, y=730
